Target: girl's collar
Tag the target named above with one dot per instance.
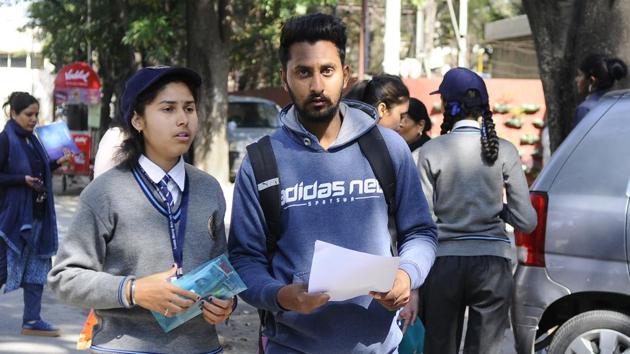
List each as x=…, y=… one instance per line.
x=466, y=123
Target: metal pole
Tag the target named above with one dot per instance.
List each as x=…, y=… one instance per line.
x=362, y=46
x=419, y=32
x=462, y=59
x=391, y=62
x=451, y=12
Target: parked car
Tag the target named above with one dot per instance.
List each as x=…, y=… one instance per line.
x=249, y=119
x=572, y=283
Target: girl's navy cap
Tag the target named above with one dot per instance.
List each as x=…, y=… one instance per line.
x=459, y=80
x=144, y=78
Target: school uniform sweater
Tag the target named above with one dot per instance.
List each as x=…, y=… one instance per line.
x=465, y=194
x=117, y=234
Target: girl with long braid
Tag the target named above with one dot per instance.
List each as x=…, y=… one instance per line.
x=464, y=172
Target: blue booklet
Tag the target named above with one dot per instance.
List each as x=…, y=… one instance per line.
x=215, y=278
x=56, y=137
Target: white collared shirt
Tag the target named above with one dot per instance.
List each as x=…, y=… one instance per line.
x=468, y=123
x=156, y=173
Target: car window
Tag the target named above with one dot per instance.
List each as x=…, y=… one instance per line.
x=600, y=165
x=252, y=114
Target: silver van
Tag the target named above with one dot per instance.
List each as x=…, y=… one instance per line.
x=249, y=119
x=572, y=282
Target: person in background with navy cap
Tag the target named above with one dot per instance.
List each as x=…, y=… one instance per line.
x=151, y=218
x=464, y=173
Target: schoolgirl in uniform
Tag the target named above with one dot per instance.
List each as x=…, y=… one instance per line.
x=464, y=172
x=151, y=218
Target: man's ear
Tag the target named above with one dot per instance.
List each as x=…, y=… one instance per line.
x=137, y=122
x=283, y=76
x=381, y=109
x=346, y=75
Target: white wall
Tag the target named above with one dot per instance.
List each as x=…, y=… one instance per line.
x=38, y=82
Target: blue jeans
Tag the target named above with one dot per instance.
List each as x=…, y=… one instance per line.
x=32, y=292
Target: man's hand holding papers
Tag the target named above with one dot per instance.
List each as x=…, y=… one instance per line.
x=295, y=298
x=398, y=296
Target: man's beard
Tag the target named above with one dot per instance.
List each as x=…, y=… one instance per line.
x=324, y=115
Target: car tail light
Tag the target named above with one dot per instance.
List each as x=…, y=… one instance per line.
x=530, y=247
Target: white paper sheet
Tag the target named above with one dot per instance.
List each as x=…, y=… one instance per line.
x=343, y=273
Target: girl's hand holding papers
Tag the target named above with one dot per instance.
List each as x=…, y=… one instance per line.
x=156, y=293
x=215, y=310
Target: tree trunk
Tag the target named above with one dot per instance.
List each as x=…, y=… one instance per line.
x=565, y=32
x=208, y=54
x=430, y=14
x=116, y=60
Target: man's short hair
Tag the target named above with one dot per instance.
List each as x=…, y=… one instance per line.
x=312, y=28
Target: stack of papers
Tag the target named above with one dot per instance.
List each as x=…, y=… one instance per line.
x=344, y=274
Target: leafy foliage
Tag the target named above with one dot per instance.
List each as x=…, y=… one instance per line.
x=256, y=29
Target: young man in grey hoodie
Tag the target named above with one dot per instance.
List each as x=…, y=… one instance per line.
x=328, y=192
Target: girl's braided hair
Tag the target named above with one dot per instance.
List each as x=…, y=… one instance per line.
x=471, y=107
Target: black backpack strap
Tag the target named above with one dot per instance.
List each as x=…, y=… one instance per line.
x=376, y=152
x=265, y=168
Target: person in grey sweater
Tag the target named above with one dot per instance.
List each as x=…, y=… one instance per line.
x=151, y=218
x=464, y=173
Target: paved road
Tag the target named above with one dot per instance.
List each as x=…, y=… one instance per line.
x=238, y=337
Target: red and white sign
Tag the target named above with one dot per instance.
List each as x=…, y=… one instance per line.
x=77, y=75
x=77, y=83
x=81, y=160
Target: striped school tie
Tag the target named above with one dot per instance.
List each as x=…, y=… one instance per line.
x=163, y=187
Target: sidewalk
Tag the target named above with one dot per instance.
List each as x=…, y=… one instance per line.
x=68, y=319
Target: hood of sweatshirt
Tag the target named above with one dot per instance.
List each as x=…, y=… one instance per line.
x=355, y=123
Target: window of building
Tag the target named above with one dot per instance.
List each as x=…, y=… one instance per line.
x=18, y=61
